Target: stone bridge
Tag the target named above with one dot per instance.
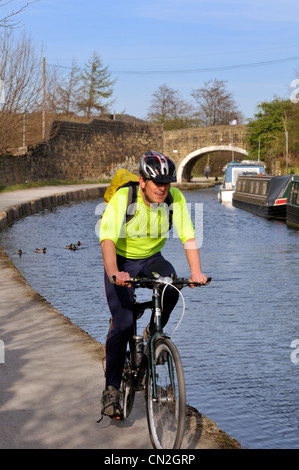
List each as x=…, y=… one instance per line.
x=186, y=146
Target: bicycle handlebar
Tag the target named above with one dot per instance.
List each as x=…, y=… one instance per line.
x=150, y=281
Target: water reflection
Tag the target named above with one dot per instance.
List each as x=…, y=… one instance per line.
x=239, y=329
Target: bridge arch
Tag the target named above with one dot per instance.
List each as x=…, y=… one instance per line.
x=186, y=165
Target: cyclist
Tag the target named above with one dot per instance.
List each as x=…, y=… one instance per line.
x=136, y=250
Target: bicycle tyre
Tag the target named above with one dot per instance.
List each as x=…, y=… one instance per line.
x=126, y=387
x=166, y=414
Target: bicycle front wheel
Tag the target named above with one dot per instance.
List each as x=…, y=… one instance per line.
x=126, y=387
x=166, y=397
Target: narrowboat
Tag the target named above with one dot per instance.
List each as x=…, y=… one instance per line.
x=293, y=203
x=232, y=172
x=263, y=195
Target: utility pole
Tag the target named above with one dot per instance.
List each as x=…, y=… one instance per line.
x=44, y=99
x=2, y=94
x=24, y=128
x=259, y=152
x=287, y=152
x=284, y=119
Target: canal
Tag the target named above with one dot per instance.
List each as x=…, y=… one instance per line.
x=238, y=335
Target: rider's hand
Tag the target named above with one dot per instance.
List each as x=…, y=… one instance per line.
x=198, y=277
x=120, y=277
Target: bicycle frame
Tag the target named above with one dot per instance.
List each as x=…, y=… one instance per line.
x=165, y=390
x=157, y=309
x=156, y=306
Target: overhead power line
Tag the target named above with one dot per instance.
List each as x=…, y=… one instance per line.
x=207, y=69
x=197, y=70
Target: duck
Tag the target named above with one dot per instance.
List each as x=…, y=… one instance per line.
x=40, y=250
x=71, y=247
x=20, y=252
x=78, y=243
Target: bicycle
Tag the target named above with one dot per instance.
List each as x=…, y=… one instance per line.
x=156, y=367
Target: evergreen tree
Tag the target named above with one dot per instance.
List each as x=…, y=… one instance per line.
x=96, y=87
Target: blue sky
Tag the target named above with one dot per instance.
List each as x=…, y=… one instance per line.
x=181, y=43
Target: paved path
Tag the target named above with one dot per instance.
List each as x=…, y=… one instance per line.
x=51, y=375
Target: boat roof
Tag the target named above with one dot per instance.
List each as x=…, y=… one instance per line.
x=258, y=177
x=277, y=186
x=246, y=163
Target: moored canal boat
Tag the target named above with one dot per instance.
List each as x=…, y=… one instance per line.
x=232, y=172
x=293, y=203
x=263, y=195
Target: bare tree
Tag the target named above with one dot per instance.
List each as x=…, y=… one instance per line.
x=216, y=105
x=20, y=71
x=168, y=108
x=68, y=91
x=9, y=20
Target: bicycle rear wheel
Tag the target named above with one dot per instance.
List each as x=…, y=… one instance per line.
x=166, y=405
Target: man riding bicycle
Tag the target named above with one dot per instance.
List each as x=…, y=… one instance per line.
x=134, y=248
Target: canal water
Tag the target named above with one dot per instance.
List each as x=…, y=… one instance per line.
x=238, y=335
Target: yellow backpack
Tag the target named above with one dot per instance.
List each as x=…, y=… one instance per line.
x=122, y=177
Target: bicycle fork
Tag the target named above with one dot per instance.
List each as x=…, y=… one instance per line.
x=159, y=332
x=150, y=353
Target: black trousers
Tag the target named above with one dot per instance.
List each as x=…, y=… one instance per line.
x=120, y=300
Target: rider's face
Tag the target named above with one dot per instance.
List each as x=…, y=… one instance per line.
x=153, y=192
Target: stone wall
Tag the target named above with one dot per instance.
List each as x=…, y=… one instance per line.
x=79, y=151
x=12, y=170
x=96, y=150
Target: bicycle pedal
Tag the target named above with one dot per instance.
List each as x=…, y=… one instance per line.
x=119, y=416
